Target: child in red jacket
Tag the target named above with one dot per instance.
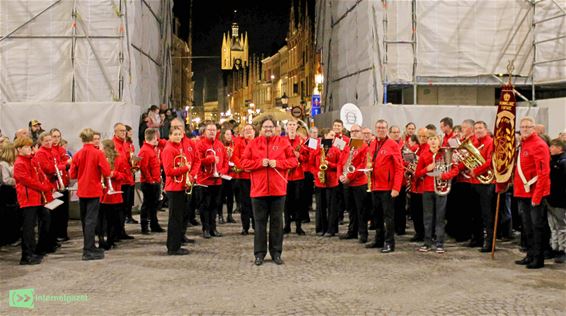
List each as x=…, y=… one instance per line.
x=32, y=190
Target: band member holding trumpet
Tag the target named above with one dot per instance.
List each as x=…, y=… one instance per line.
x=89, y=166
x=213, y=164
x=179, y=177
x=352, y=159
x=326, y=160
x=31, y=190
x=294, y=209
x=268, y=157
x=60, y=215
x=150, y=182
x=227, y=191
x=244, y=179
x=386, y=180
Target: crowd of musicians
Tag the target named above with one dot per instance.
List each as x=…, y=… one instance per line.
x=441, y=179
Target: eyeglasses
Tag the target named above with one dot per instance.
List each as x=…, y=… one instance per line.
x=527, y=126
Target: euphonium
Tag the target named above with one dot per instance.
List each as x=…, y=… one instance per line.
x=322, y=166
x=442, y=187
x=472, y=158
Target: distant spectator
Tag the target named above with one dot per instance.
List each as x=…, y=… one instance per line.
x=35, y=129
x=165, y=125
x=142, y=127
x=153, y=115
x=21, y=133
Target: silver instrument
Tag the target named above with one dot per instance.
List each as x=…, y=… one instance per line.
x=215, y=172
x=442, y=187
x=60, y=183
x=111, y=190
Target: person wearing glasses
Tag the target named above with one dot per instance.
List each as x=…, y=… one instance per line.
x=531, y=184
x=268, y=158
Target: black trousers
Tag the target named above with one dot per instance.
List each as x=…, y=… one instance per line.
x=109, y=222
x=245, y=203
x=60, y=217
x=400, y=203
x=10, y=215
x=326, y=210
x=208, y=206
x=308, y=192
x=293, y=203
x=485, y=193
x=128, y=197
x=226, y=196
x=533, y=218
x=459, y=208
x=341, y=204
x=384, y=219
x=176, y=225
x=357, y=215
x=268, y=208
x=89, y=218
x=148, y=211
x=47, y=239
x=417, y=213
x=29, y=220
x=191, y=203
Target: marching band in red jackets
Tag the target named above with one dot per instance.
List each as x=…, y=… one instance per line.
x=61, y=158
x=237, y=158
x=32, y=188
x=89, y=179
x=532, y=153
x=207, y=150
x=149, y=164
x=45, y=159
x=126, y=149
x=118, y=175
x=387, y=173
x=174, y=169
x=297, y=144
x=265, y=180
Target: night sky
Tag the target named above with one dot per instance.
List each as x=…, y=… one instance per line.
x=265, y=21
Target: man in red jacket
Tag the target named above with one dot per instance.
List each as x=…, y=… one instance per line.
x=89, y=166
x=31, y=190
x=150, y=182
x=213, y=164
x=268, y=157
x=386, y=180
x=531, y=184
x=124, y=149
x=244, y=179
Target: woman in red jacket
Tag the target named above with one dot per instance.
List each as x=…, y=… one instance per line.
x=111, y=201
x=227, y=191
x=32, y=190
x=60, y=215
x=326, y=190
x=268, y=157
x=178, y=165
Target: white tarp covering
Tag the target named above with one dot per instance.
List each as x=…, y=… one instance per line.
x=70, y=118
x=57, y=56
x=464, y=39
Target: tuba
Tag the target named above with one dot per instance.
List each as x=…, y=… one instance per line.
x=472, y=158
x=322, y=166
x=442, y=187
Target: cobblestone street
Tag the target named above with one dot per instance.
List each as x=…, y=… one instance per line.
x=320, y=276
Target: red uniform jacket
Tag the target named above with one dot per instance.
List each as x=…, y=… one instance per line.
x=264, y=180
x=60, y=154
x=237, y=158
x=175, y=174
x=88, y=166
x=207, y=162
x=298, y=143
x=535, y=162
x=333, y=156
x=446, y=138
x=46, y=161
x=125, y=149
x=30, y=183
x=149, y=164
x=417, y=183
x=230, y=160
x=118, y=176
x=387, y=173
x=359, y=161
x=485, y=147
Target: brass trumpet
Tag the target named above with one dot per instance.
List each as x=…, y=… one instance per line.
x=181, y=160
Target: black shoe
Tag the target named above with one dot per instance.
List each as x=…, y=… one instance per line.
x=93, y=256
x=258, y=261
x=157, y=229
x=194, y=222
x=145, y=231
x=103, y=245
x=485, y=249
x=126, y=236
x=536, y=264
x=178, y=252
x=363, y=239
x=277, y=259
x=230, y=219
x=526, y=260
x=300, y=232
x=216, y=233
x=244, y=232
x=374, y=245
x=287, y=229
x=31, y=260
x=206, y=234
x=416, y=239
x=387, y=248
x=220, y=220
x=347, y=236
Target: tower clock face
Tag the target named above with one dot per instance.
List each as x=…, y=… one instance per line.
x=238, y=62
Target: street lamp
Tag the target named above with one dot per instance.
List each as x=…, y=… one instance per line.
x=284, y=100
